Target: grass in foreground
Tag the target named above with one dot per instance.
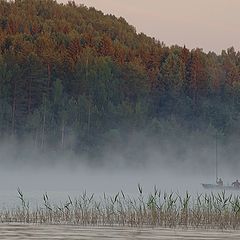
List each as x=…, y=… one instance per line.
x=210, y=211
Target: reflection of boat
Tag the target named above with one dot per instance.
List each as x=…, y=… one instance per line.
x=218, y=185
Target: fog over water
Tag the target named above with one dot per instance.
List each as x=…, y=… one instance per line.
x=174, y=165
x=59, y=182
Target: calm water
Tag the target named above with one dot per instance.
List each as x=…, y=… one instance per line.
x=59, y=182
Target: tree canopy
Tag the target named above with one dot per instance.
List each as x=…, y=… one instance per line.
x=72, y=77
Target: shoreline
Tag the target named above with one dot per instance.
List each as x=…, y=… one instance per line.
x=70, y=232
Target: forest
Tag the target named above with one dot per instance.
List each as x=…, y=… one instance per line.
x=74, y=78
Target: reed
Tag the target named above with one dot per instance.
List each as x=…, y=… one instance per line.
x=158, y=209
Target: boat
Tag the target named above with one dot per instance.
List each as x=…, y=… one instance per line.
x=219, y=185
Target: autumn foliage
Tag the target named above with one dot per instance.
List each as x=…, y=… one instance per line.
x=71, y=70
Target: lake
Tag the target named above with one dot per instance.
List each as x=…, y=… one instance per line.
x=59, y=182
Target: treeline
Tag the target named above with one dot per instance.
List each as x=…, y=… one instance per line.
x=72, y=77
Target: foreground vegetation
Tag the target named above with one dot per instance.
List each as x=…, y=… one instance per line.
x=209, y=211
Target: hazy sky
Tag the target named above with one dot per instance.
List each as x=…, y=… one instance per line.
x=209, y=24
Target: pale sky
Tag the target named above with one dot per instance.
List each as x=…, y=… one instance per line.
x=209, y=24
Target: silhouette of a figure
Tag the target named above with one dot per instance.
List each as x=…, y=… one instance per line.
x=236, y=184
x=220, y=182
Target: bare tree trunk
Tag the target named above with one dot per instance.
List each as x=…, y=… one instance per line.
x=49, y=78
x=89, y=119
x=89, y=104
x=63, y=134
x=43, y=126
x=14, y=107
x=29, y=95
x=36, y=139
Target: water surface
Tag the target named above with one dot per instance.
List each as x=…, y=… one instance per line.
x=59, y=182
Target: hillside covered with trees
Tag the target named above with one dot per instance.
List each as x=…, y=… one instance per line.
x=74, y=78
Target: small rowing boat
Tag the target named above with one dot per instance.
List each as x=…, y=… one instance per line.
x=219, y=183
x=219, y=187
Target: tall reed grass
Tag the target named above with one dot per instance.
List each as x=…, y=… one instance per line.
x=158, y=209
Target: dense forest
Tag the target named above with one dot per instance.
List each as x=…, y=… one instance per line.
x=74, y=78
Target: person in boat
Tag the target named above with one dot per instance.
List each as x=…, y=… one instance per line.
x=220, y=182
x=236, y=184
